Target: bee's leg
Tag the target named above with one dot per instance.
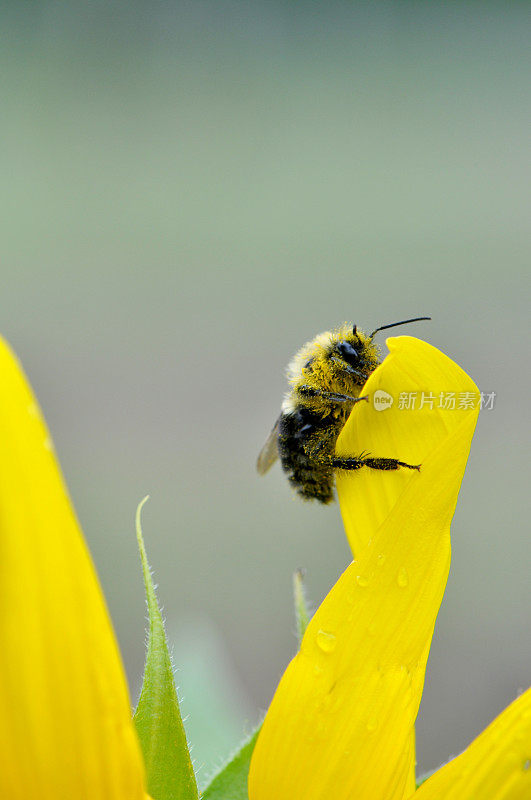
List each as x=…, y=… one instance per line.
x=331, y=397
x=347, y=368
x=372, y=463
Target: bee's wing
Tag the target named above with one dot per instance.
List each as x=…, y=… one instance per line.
x=269, y=452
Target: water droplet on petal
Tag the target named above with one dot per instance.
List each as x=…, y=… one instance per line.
x=526, y=765
x=372, y=724
x=362, y=580
x=380, y=560
x=402, y=578
x=325, y=641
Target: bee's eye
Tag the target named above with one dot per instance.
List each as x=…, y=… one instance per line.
x=348, y=353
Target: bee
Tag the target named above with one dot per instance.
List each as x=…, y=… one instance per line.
x=326, y=377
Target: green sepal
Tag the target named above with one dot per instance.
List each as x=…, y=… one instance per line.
x=230, y=783
x=302, y=611
x=169, y=770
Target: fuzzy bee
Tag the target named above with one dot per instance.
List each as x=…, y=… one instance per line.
x=326, y=377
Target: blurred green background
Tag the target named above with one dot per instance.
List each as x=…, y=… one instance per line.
x=192, y=190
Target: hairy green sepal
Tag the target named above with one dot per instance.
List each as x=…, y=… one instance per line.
x=230, y=783
x=169, y=771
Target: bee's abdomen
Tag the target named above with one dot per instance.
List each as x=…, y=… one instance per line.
x=306, y=445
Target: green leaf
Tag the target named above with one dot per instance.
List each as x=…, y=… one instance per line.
x=169, y=771
x=302, y=613
x=231, y=781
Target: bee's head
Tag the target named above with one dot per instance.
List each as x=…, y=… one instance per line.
x=358, y=351
x=353, y=354
x=349, y=350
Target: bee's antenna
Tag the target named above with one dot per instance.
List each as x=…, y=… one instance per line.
x=394, y=324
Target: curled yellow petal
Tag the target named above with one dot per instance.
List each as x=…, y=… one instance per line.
x=65, y=718
x=496, y=766
x=415, y=374
x=341, y=722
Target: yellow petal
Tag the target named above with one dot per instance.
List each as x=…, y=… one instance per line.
x=341, y=722
x=412, y=367
x=496, y=766
x=65, y=719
